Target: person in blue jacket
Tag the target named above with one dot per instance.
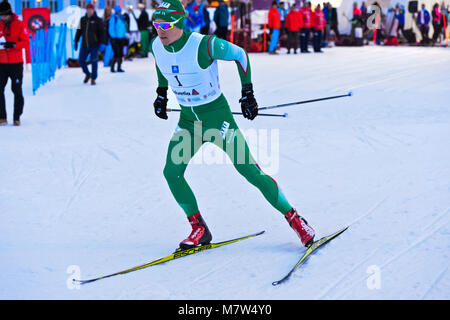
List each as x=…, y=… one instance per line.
x=283, y=12
x=195, y=20
x=423, y=20
x=400, y=15
x=117, y=33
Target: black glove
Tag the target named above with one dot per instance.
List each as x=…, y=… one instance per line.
x=248, y=103
x=160, y=103
x=9, y=45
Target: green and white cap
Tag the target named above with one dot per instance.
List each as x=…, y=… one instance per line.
x=170, y=10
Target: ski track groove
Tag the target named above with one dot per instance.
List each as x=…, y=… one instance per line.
x=435, y=282
x=213, y=270
x=385, y=79
x=419, y=241
x=79, y=181
x=340, y=279
x=368, y=138
x=439, y=217
x=394, y=138
x=110, y=153
x=395, y=257
x=369, y=212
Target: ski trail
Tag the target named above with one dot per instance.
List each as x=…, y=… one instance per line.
x=79, y=180
x=398, y=255
x=383, y=78
x=419, y=241
x=109, y=152
x=212, y=271
x=368, y=138
x=444, y=214
x=339, y=280
x=369, y=212
x=435, y=282
x=303, y=165
x=392, y=137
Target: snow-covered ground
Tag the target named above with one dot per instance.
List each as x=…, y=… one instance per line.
x=81, y=184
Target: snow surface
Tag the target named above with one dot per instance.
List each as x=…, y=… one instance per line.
x=82, y=184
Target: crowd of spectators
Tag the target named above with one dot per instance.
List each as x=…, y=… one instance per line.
x=300, y=27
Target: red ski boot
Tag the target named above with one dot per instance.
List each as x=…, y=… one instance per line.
x=200, y=234
x=301, y=227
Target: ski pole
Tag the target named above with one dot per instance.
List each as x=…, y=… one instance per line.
x=305, y=101
x=284, y=115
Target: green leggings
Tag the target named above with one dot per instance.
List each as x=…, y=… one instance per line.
x=214, y=123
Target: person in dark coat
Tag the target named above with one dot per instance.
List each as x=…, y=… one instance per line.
x=436, y=20
x=207, y=20
x=221, y=16
x=333, y=18
x=143, y=25
x=92, y=31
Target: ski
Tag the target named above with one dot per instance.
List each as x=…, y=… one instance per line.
x=313, y=247
x=177, y=254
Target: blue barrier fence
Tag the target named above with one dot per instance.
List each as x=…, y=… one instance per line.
x=48, y=53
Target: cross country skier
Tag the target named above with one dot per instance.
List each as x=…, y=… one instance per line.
x=188, y=63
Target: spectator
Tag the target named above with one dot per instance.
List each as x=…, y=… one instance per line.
x=195, y=20
x=436, y=15
x=133, y=33
x=143, y=25
x=306, y=27
x=107, y=12
x=92, y=32
x=221, y=17
x=283, y=12
x=207, y=21
x=400, y=15
x=356, y=19
x=318, y=25
x=117, y=34
x=326, y=30
x=274, y=26
x=293, y=25
x=13, y=39
x=364, y=17
x=333, y=18
x=423, y=19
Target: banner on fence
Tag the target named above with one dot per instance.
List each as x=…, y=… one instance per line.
x=36, y=18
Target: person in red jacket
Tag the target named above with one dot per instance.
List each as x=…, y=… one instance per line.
x=318, y=25
x=304, y=31
x=13, y=39
x=274, y=26
x=293, y=24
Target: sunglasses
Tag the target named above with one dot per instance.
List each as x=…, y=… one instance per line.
x=165, y=25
